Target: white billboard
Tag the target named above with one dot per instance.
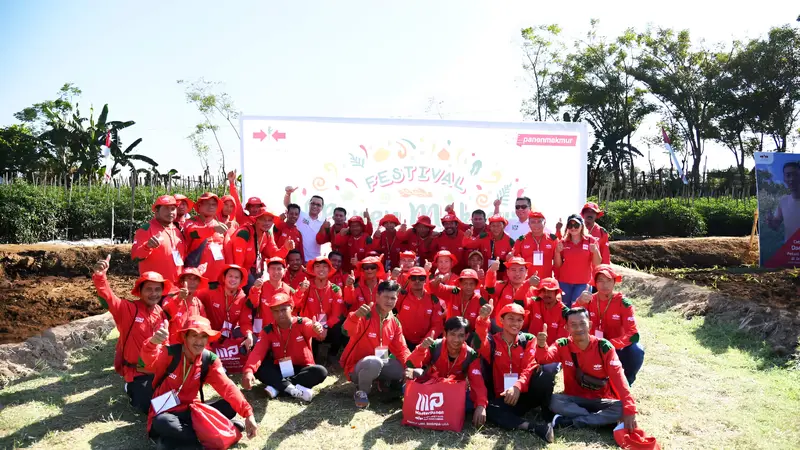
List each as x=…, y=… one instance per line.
x=415, y=167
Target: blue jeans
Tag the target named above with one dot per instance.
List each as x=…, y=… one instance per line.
x=632, y=358
x=571, y=292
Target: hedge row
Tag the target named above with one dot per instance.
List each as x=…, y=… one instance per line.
x=30, y=214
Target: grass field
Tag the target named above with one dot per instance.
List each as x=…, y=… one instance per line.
x=702, y=386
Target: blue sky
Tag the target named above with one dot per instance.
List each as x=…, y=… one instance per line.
x=313, y=58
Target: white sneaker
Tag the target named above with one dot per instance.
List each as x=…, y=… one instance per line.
x=271, y=391
x=299, y=392
x=308, y=394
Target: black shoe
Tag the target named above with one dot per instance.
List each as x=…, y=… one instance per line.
x=544, y=431
x=239, y=425
x=560, y=421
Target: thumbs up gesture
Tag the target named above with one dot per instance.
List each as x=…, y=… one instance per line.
x=541, y=337
x=428, y=266
x=403, y=227
x=427, y=342
x=184, y=291
x=559, y=224
x=101, y=267
x=396, y=273
x=495, y=266
x=486, y=310
x=534, y=280
x=560, y=246
x=304, y=285
x=351, y=278
x=593, y=247
x=289, y=244
x=364, y=310
x=468, y=233
x=161, y=335
x=584, y=299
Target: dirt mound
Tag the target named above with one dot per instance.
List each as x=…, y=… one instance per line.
x=679, y=252
x=780, y=328
x=62, y=260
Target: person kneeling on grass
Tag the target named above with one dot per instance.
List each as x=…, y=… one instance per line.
x=290, y=366
x=180, y=371
x=517, y=382
x=377, y=349
x=595, y=390
x=613, y=318
x=452, y=356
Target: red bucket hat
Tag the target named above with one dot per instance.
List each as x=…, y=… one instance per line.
x=547, y=284
x=358, y=219
x=389, y=218
x=634, y=440
x=182, y=198
x=417, y=271
x=511, y=308
x=320, y=259
x=198, y=272
x=204, y=197
x=535, y=215
x=225, y=270
x=279, y=299
x=608, y=271
x=255, y=201
x=408, y=254
x=151, y=276
x=445, y=254
x=498, y=218
x=449, y=218
x=468, y=274
x=164, y=200
x=424, y=221
x=198, y=324
x=477, y=253
x=377, y=260
x=592, y=207
x=276, y=260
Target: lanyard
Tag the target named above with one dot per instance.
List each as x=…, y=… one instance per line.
x=227, y=307
x=186, y=369
x=491, y=245
x=451, y=364
x=319, y=299
x=380, y=330
x=288, y=338
x=169, y=236
x=603, y=316
x=464, y=307
x=390, y=246
x=361, y=288
x=510, y=357
x=537, y=242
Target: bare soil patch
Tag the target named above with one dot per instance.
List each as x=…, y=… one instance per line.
x=676, y=253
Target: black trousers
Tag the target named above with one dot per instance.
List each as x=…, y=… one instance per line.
x=175, y=429
x=307, y=376
x=539, y=394
x=334, y=339
x=140, y=391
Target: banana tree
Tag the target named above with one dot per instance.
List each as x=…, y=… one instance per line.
x=125, y=158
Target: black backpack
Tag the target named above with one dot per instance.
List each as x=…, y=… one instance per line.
x=176, y=350
x=436, y=352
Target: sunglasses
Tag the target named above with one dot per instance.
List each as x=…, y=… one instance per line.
x=573, y=225
x=369, y=267
x=521, y=206
x=417, y=278
x=318, y=205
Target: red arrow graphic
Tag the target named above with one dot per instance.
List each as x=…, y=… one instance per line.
x=260, y=135
x=278, y=135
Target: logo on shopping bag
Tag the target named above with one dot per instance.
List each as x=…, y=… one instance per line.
x=229, y=352
x=427, y=403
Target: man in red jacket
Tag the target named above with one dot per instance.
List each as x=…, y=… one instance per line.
x=286, y=229
x=263, y=290
x=158, y=245
x=418, y=310
x=591, y=212
x=323, y=303
x=494, y=245
x=515, y=381
x=464, y=300
x=452, y=240
x=136, y=322
x=605, y=398
x=377, y=349
x=254, y=243
x=613, y=318
x=354, y=242
x=537, y=247
x=179, y=375
x=184, y=206
x=419, y=239
x=387, y=242
x=253, y=207
x=205, y=236
x=327, y=232
x=452, y=357
x=283, y=359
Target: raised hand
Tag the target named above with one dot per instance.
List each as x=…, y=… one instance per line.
x=534, y=280
x=258, y=283
x=560, y=246
x=403, y=227
x=427, y=342
x=366, y=214
x=220, y=228
x=495, y=266
x=428, y=266
x=288, y=245
x=486, y=310
x=364, y=310
x=541, y=337
x=497, y=202
x=154, y=242
x=468, y=233
x=161, y=335
x=585, y=298
x=450, y=208
x=481, y=273
x=559, y=224
x=231, y=176
x=184, y=291
x=344, y=231
x=290, y=190
x=101, y=267
x=377, y=234
x=593, y=248
x=304, y=285
x=396, y=273
x=351, y=279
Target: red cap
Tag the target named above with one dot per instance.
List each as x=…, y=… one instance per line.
x=182, y=198
x=608, y=271
x=319, y=259
x=389, y=218
x=518, y=261
x=358, y=219
x=535, y=215
x=225, y=270
x=198, y=272
x=276, y=259
x=449, y=218
x=498, y=218
x=425, y=221
x=635, y=440
x=468, y=274
x=417, y=271
x=511, y=308
x=408, y=254
x=151, y=276
x=547, y=284
x=206, y=196
x=445, y=254
x=593, y=207
x=164, y=200
x=255, y=201
x=263, y=212
x=228, y=198
x=279, y=299
x=198, y=324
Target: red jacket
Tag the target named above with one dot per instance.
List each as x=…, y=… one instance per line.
x=442, y=367
x=350, y=246
x=389, y=245
x=294, y=343
x=259, y=298
x=490, y=249
x=285, y=232
x=327, y=233
x=241, y=218
x=553, y=317
x=615, y=318
x=136, y=323
x=420, y=317
x=177, y=311
x=368, y=333
x=527, y=245
x=327, y=300
x=338, y=279
x=359, y=294
x=424, y=248
x=598, y=360
x=298, y=277
x=222, y=308
x=196, y=231
x=157, y=358
x=455, y=245
x=245, y=241
x=602, y=241
x=160, y=259
x=520, y=360
x=456, y=305
x=503, y=293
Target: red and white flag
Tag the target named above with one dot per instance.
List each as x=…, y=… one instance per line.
x=668, y=144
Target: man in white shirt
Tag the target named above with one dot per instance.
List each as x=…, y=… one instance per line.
x=308, y=223
x=788, y=210
x=520, y=227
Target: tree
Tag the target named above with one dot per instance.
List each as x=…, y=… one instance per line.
x=19, y=150
x=215, y=106
x=542, y=60
x=683, y=79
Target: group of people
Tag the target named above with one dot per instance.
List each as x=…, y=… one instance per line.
x=504, y=306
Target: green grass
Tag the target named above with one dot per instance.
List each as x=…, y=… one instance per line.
x=703, y=385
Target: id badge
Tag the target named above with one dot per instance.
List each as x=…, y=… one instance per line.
x=382, y=352
x=176, y=258
x=598, y=334
x=226, y=329
x=538, y=258
x=322, y=318
x=165, y=402
x=509, y=379
x=287, y=369
x=257, y=326
x=216, y=251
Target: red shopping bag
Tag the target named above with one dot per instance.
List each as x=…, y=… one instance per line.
x=435, y=404
x=214, y=430
x=231, y=354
